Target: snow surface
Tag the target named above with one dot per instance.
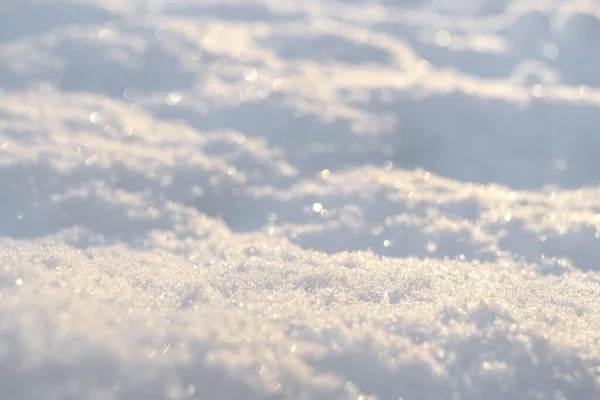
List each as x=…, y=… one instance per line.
x=308, y=199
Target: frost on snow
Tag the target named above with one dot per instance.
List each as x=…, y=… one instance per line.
x=310, y=200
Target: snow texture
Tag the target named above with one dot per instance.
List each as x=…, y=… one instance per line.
x=308, y=199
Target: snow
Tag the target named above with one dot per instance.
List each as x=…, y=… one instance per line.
x=299, y=200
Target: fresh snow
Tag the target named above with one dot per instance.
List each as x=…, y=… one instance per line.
x=308, y=199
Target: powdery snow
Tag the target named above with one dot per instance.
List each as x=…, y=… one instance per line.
x=299, y=200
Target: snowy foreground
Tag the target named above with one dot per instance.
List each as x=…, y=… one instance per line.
x=299, y=199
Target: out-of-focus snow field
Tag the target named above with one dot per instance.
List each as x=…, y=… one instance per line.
x=299, y=199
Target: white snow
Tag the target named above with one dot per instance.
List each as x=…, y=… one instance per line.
x=299, y=200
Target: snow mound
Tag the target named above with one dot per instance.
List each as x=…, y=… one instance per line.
x=321, y=200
